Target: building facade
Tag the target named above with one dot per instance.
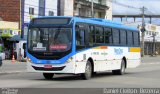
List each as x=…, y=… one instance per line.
x=83, y=8
x=36, y=8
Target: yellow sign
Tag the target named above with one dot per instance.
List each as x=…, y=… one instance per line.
x=6, y=25
x=151, y=27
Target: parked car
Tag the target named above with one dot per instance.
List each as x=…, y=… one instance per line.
x=0, y=61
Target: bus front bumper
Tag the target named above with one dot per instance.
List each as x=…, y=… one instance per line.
x=55, y=68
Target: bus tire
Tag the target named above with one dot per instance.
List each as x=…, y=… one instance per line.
x=48, y=75
x=88, y=71
x=121, y=71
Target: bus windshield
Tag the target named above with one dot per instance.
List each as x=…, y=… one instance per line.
x=49, y=39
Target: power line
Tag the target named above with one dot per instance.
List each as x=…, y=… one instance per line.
x=124, y=5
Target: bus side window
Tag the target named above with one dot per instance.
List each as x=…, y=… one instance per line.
x=91, y=35
x=136, y=39
x=99, y=34
x=123, y=37
x=116, y=39
x=108, y=35
x=130, y=38
x=80, y=37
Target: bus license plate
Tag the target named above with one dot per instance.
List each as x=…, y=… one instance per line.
x=47, y=66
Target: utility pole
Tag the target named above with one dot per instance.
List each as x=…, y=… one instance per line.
x=59, y=7
x=143, y=31
x=92, y=10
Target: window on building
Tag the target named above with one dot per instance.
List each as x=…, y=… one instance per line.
x=51, y=13
x=108, y=35
x=31, y=11
x=116, y=39
x=41, y=7
x=100, y=1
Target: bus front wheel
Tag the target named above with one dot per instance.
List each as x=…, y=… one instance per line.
x=121, y=71
x=48, y=75
x=88, y=71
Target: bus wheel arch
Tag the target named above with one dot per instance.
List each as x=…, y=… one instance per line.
x=92, y=64
x=121, y=71
x=125, y=61
x=88, y=69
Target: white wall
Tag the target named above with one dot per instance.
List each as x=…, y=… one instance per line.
x=109, y=12
x=68, y=8
x=30, y=3
x=50, y=5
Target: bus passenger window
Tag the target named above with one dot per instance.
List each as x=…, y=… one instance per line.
x=123, y=37
x=80, y=37
x=116, y=39
x=130, y=38
x=99, y=35
x=108, y=35
x=91, y=35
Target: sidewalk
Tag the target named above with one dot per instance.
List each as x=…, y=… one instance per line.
x=9, y=67
x=151, y=59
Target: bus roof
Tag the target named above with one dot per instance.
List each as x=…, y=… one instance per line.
x=97, y=21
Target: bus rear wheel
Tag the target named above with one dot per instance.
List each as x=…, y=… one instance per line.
x=121, y=71
x=48, y=75
x=88, y=71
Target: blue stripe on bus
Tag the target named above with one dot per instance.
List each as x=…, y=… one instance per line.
x=39, y=61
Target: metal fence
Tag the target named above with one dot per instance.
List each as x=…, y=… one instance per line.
x=152, y=48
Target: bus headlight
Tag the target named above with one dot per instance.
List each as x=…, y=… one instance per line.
x=70, y=60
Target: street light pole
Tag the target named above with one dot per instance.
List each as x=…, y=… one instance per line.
x=143, y=31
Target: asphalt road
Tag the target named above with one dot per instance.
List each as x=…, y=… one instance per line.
x=14, y=79
x=145, y=76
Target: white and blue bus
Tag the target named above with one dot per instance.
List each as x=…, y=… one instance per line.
x=73, y=45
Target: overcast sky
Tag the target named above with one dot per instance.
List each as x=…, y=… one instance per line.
x=153, y=7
